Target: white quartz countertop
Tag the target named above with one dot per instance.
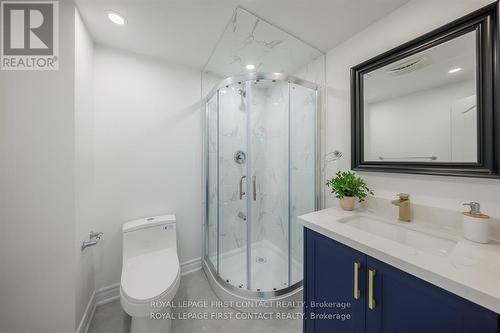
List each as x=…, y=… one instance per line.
x=470, y=270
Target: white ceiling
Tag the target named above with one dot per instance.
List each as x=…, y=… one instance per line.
x=186, y=31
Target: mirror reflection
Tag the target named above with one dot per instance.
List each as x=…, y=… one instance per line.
x=423, y=108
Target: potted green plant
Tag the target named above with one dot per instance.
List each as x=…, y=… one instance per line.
x=347, y=186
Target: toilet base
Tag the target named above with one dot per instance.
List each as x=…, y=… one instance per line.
x=148, y=325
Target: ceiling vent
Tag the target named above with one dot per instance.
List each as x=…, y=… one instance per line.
x=408, y=66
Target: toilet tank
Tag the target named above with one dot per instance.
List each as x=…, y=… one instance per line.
x=149, y=234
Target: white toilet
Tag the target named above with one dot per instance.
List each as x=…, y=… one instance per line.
x=150, y=272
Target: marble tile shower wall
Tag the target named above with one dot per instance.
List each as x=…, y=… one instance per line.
x=248, y=39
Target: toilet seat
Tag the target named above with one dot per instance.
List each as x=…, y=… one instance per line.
x=153, y=276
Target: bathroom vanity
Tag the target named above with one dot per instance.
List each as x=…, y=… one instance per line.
x=366, y=274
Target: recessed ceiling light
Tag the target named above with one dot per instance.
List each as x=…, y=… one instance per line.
x=250, y=67
x=454, y=70
x=116, y=18
x=223, y=91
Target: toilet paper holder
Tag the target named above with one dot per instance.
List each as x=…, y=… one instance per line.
x=94, y=238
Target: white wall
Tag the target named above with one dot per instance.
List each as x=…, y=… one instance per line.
x=84, y=165
x=147, y=152
x=417, y=124
x=37, y=223
x=407, y=22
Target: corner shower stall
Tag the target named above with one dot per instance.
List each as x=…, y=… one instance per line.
x=261, y=137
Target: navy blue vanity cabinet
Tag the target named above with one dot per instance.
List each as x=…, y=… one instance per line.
x=391, y=301
x=330, y=286
x=405, y=303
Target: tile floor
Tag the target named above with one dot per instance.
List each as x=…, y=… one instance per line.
x=110, y=318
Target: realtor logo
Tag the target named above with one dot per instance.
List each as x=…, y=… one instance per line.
x=29, y=35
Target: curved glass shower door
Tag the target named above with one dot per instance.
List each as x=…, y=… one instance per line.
x=269, y=170
x=261, y=174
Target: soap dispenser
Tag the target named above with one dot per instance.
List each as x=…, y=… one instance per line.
x=476, y=225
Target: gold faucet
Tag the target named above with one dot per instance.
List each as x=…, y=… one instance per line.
x=404, y=207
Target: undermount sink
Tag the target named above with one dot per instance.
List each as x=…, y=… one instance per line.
x=419, y=240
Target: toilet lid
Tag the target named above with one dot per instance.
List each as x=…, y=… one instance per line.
x=148, y=276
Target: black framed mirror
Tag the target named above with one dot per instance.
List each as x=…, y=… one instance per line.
x=430, y=106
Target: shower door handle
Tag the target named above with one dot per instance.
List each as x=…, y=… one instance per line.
x=241, y=187
x=254, y=187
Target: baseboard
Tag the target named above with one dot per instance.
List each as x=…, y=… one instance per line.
x=190, y=266
x=83, y=327
x=107, y=294
x=112, y=292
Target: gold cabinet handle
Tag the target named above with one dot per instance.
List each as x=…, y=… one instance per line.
x=371, y=299
x=357, y=292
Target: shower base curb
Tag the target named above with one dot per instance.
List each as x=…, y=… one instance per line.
x=273, y=304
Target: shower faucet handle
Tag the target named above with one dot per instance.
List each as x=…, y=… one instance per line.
x=242, y=193
x=254, y=187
